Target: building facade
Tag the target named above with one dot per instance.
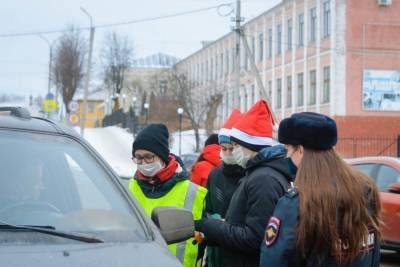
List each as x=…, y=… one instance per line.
x=337, y=57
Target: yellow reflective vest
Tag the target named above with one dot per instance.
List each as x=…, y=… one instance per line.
x=184, y=194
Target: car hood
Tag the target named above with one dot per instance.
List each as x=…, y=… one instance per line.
x=109, y=254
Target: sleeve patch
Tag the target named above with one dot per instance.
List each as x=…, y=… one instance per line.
x=272, y=231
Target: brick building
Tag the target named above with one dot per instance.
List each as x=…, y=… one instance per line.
x=337, y=57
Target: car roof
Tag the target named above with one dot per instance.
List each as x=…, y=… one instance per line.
x=20, y=119
x=379, y=159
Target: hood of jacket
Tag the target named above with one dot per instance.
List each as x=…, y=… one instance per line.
x=211, y=154
x=273, y=157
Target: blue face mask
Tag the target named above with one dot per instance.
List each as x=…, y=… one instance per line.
x=292, y=167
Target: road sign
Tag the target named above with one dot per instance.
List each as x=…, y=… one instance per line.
x=73, y=106
x=49, y=105
x=49, y=96
x=73, y=119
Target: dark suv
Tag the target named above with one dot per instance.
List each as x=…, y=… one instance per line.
x=62, y=205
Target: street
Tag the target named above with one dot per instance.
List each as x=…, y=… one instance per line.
x=390, y=259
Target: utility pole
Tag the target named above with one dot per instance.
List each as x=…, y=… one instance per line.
x=87, y=80
x=50, y=62
x=237, y=29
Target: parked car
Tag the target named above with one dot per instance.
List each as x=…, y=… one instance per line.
x=61, y=204
x=386, y=173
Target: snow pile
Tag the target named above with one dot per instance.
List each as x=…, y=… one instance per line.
x=188, y=141
x=114, y=144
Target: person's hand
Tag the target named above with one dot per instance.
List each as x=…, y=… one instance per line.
x=199, y=237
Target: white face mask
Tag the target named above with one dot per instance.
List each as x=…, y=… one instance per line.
x=227, y=159
x=240, y=158
x=150, y=169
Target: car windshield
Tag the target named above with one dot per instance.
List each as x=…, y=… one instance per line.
x=54, y=181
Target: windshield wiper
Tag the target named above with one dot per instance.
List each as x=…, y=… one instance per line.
x=50, y=230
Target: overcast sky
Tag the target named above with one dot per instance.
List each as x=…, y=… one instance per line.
x=24, y=60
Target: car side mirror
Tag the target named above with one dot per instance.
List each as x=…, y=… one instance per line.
x=175, y=224
x=394, y=188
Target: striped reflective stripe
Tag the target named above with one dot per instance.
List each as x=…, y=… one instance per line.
x=189, y=202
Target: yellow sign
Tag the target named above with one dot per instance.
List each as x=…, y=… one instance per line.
x=73, y=119
x=49, y=105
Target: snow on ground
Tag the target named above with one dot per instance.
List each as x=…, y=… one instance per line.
x=188, y=141
x=114, y=144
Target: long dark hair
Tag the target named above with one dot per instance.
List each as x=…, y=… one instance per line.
x=338, y=207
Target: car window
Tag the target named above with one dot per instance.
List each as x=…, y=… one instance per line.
x=52, y=180
x=367, y=169
x=387, y=175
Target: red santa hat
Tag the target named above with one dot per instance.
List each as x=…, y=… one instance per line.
x=233, y=118
x=254, y=128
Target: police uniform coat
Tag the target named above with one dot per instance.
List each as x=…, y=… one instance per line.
x=279, y=245
x=267, y=179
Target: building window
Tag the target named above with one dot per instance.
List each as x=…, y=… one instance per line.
x=227, y=62
x=253, y=48
x=313, y=85
x=211, y=70
x=269, y=91
x=253, y=94
x=278, y=93
x=327, y=18
x=301, y=31
x=300, y=89
x=207, y=74
x=216, y=73
x=270, y=43
x=202, y=73
x=260, y=47
x=313, y=24
x=279, y=39
x=289, y=92
x=233, y=60
x=246, y=58
x=245, y=98
x=326, y=92
x=289, y=34
x=221, y=68
x=91, y=107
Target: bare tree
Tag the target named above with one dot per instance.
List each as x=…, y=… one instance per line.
x=68, y=64
x=117, y=57
x=199, y=109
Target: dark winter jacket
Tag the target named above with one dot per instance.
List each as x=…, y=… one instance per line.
x=209, y=159
x=267, y=179
x=222, y=183
x=279, y=246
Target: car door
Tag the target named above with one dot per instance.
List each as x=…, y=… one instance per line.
x=390, y=202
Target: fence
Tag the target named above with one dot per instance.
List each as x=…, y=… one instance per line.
x=352, y=147
x=125, y=120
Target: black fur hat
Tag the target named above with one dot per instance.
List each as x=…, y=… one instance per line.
x=312, y=130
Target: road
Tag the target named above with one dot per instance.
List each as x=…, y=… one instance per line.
x=390, y=259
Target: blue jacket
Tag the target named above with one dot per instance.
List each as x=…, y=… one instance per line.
x=279, y=245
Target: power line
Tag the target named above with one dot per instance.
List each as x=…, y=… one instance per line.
x=10, y=35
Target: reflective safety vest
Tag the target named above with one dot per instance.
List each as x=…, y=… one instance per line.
x=184, y=194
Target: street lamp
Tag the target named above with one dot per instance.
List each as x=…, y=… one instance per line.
x=50, y=62
x=180, y=113
x=146, y=107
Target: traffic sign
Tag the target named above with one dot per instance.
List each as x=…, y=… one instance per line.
x=49, y=96
x=73, y=106
x=73, y=119
x=49, y=105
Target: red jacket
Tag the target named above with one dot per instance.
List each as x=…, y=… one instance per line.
x=208, y=160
